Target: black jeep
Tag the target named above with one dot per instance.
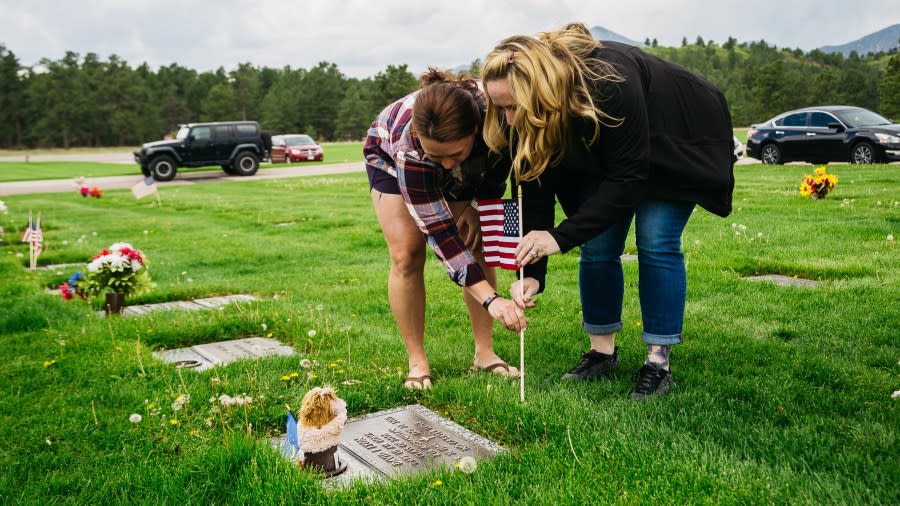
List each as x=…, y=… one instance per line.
x=235, y=145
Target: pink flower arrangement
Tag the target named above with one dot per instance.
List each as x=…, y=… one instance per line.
x=90, y=192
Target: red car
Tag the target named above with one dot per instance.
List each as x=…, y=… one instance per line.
x=295, y=148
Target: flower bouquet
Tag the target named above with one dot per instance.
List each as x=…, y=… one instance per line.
x=115, y=273
x=817, y=187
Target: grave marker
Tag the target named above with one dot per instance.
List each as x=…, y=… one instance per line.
x=405, y=440
x=782, y=280
x=206, y=356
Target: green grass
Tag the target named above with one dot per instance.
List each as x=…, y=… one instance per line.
x=783, y=395
x=338, y=152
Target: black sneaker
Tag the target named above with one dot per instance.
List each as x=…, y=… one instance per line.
x=593, y=365
x=651, y=380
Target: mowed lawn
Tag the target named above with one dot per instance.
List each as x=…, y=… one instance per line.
x=336, y=152
x=783, y=394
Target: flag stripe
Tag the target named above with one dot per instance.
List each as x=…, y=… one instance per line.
x=499, y=232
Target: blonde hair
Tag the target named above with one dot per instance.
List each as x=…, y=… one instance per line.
x=549, y=76
x=315, y=410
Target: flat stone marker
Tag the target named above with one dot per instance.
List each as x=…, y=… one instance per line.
x=782, y=280
x=60, y=266
x=405, y=440
x=188, y=305
x=206, y=356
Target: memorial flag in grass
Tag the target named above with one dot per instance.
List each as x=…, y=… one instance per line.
x=291, y=446
x=500, y=235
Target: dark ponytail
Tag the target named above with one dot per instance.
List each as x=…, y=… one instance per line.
x=446, y=109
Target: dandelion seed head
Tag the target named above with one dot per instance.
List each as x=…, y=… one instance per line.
x=311, y=333
x=467, y=464
x=135, y=418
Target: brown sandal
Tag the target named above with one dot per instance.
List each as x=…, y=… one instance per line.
x=417, y=382
x=493, y=368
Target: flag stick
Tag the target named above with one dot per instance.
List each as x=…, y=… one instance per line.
x=522, y=293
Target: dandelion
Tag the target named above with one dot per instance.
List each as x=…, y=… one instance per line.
x=697, y=242
x=215, y=380
x=146, y=232
x=48, y=363
x=285, y=378
x=264, y=327
x=311, y=375
x=269, y=334
x=311, y=333
x=878, y=203
x=320, y=307
x=467, y=464
x=437, y=483
x=135, y=418
x=890, y=237
x=208, y=422
x=895, y=395
x=180, y=401
x=294, y=375
x=305, y=363
x=174, y=422
x=351, y=382
x=332, y=365
x=49, y=443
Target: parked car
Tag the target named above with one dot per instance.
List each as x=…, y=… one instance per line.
x=296, y=148
x=738, y=148
x=834, y=133
x=234, y=145
x=276, y=154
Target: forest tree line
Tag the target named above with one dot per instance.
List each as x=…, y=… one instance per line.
x=86, y=101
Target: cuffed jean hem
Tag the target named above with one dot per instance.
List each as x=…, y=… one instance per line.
x=600, y=330
x=661, y=340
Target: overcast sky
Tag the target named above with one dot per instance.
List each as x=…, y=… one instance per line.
x=364, y=36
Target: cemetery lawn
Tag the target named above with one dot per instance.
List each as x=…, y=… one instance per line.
x=783, y=394
x=335, y=152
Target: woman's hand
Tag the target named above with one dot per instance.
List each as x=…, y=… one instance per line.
x=523, y=291
x=469, y=228
x=508, y=313
x=534, y=246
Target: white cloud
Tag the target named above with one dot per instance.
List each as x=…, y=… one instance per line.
x=363, y=37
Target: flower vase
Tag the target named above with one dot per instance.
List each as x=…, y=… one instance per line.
x=115, y=303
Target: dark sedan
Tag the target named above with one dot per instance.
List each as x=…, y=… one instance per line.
x=834, y=133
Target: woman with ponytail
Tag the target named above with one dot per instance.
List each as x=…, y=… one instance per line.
x=427, y=166
x=615, y=135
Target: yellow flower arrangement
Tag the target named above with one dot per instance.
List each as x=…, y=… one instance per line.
x=816, y=187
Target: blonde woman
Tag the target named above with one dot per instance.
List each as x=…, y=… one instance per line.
x=426, y=162
x=615, y=135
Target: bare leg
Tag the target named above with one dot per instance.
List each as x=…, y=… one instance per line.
x=406, y=281
x=605, y=343
x=482, y=323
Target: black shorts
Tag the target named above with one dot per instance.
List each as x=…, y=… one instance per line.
x=382, y=181
x=386, y=183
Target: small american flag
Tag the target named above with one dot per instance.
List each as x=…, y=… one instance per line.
x=26, y=237
x=499, y=232
x=37, y=239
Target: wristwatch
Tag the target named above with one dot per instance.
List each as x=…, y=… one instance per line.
x=487, y=301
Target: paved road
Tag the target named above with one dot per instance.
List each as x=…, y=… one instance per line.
x=112, y=182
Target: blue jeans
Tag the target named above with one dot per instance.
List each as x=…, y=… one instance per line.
x=662, y=282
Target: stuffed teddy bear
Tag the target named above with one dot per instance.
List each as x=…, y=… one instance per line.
x=321, y=421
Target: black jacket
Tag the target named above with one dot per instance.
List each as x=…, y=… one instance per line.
x=675, y=143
